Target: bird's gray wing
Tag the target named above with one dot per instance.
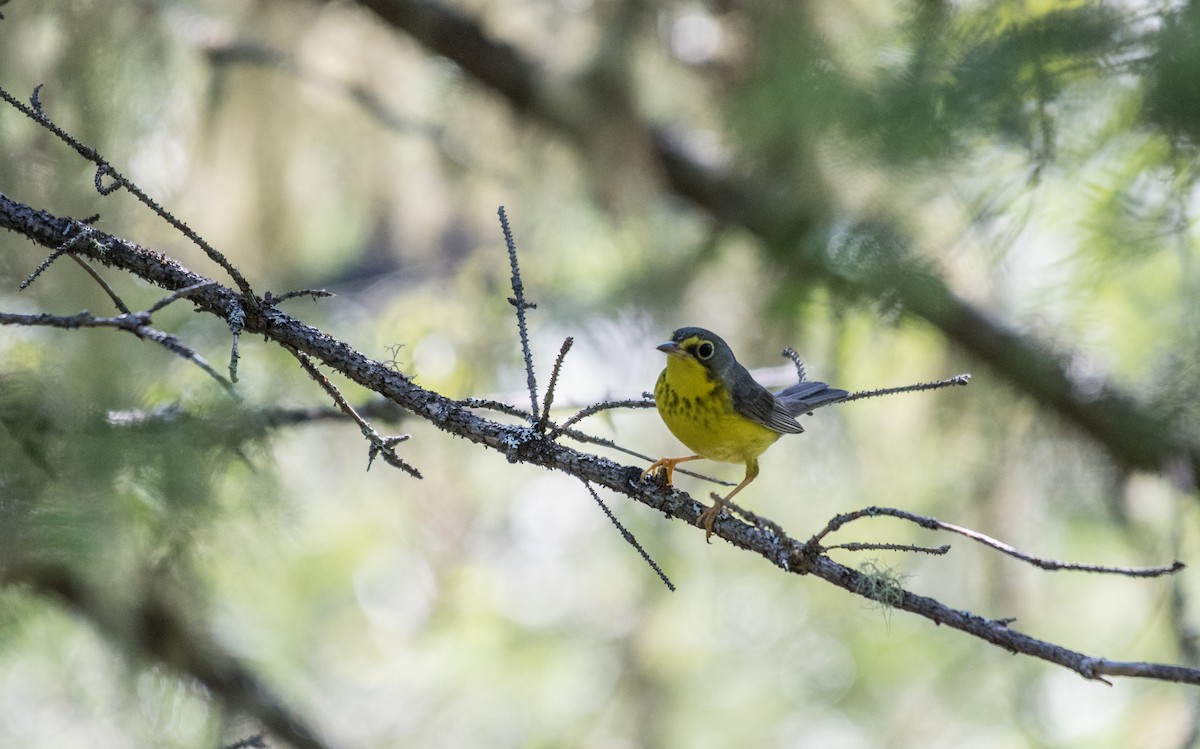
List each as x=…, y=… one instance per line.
x=757, y=403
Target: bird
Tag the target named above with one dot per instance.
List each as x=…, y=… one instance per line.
x=713, y=405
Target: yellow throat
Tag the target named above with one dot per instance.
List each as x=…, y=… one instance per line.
x=699, y=411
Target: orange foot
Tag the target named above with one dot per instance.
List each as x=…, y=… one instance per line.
x=667, y=466
x=708, y=517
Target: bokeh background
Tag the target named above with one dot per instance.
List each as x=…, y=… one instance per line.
x=1035, y=160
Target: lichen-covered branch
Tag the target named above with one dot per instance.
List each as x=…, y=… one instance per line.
x=525, y=444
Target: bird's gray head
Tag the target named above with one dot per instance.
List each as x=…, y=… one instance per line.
x=704, y=346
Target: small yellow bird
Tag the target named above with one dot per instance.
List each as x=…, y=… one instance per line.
x=715, y=408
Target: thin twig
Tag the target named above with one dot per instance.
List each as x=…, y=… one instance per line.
x=962, y=379
x=596, y=408
x=518, y=300
x=237, y=322
x=65, y=249
x=180, y=294
x=173, y=344
x=549, y=400
x=563, y=430
x=117, y=301
x=934, y=524
x=104, y=169
x=755, y=519
x=801, y=374
x=495, y=405
x=263, y=419
x=860, y=546
x=234, y=355
x=270, y=299
x=602, y=442
x=380, y=445
x=137, y=323
x=59, y=251
x=629, y=538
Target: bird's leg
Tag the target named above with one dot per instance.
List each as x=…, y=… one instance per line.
x=667, y=465
x=709, y=516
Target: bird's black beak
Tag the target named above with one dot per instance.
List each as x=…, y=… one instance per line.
x=671, y=348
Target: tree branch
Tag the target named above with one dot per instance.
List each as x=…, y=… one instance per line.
x=1041, y=562
x=522, y=443
x=137, y=323
x=103, y=169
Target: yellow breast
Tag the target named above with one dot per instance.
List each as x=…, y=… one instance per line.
x=699, y=412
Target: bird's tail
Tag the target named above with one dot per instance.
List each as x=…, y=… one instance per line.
x=804, y=397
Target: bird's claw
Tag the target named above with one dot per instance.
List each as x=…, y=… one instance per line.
x=707, y=518
x=660, y=471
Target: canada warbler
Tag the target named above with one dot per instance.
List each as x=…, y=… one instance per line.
x=713, y=405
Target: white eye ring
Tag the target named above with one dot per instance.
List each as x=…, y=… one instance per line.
x=705, y=350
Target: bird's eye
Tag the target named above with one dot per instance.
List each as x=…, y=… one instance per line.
x=704, y=351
